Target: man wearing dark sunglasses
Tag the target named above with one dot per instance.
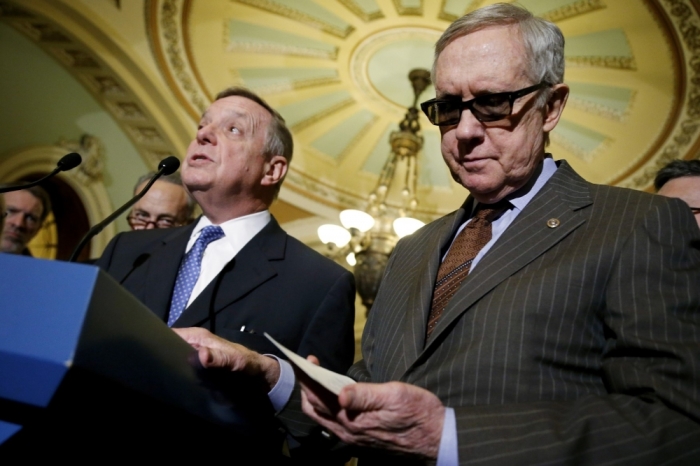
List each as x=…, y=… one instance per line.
x=571, y=336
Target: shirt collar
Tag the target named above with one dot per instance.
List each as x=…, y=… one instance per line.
x=241, y=227
x=520, y=198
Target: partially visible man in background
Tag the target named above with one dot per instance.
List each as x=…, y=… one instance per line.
x=681, y=179
x=3, y=213
x=26, y=211
x=165, y=205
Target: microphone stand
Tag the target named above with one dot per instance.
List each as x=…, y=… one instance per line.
x=67, y=162
x=166, y=167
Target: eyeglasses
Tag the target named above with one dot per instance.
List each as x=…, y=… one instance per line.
x=695, y=210
x=485, y=108
x=141, y=222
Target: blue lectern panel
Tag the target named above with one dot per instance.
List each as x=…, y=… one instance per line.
x=80, y=357
x=44, y=305
x=7, y=430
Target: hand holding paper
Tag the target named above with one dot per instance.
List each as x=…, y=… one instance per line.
x=330, y=380
x=393, y=416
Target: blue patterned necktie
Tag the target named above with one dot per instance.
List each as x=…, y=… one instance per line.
x=189, y=271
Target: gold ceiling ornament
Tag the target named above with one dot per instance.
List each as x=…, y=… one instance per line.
x=404, y=7
x=65, y=33
x=369, y=47
x=572, y=9
x=285, y=10
x=91, y=150
x=632, y=69
x=368, y=236
x=166, y=17
x=684, y=142
x=364, y=12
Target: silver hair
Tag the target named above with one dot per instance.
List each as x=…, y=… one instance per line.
x=173, y=178
x=278, y=140
x=543, y=41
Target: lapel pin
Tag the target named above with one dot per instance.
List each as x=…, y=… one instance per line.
x=553, y=222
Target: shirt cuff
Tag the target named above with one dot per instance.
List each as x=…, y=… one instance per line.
x=282, y=391
x=448, y=454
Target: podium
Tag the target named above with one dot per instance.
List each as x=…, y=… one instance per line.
x=85, y=368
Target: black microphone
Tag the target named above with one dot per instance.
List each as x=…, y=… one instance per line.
x=169, y=165
x=67, y=162
x=166, y=166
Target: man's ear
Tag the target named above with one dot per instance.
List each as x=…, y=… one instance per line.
x=555, y=106
x=275, y=170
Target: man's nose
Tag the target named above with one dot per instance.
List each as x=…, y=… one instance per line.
x=469, y=128
x=206, y=135
x=17, y=220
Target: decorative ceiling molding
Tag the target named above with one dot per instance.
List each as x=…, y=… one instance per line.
x=253, y=38
x=684, y=143
x=305, y=12
x=573, y=9
x=169, y=50
x=630, y=65
x=611, y=102
x=409, y=7
x=89, y=68
x=366, y=11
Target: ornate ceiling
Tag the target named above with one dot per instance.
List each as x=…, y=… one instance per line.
x=337, y=71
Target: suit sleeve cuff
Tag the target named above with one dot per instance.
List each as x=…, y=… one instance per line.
x=448, y=454
x=282, y=391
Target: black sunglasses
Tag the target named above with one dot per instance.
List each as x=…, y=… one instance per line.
x=487, y=107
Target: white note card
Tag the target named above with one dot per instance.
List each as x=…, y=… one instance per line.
x=330, y=380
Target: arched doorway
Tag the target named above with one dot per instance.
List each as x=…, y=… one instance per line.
x=79, y=200
x=65, y=225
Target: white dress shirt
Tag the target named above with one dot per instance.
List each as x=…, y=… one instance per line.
x=220, y=252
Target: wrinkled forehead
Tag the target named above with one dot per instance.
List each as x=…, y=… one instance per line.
x=238, y=107
x=493, y=58
x=24, y=200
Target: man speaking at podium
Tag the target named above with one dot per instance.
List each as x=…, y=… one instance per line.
x=234, y=271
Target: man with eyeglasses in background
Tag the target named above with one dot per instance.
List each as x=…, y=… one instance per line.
x=26, y=211
x=167, y=204
x=681, y=179
x=548, y=320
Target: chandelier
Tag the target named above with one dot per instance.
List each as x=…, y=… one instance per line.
x=368, y=236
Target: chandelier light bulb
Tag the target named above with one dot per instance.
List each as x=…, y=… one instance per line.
x=352, y=218
x=334, y=234
x=404, y=226
x=350, y=259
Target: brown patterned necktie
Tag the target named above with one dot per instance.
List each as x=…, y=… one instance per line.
x=455, y=268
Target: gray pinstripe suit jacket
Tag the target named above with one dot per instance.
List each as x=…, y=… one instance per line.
x=576, y=344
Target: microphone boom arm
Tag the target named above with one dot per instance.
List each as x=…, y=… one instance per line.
x=67, y=162
x=164, y=168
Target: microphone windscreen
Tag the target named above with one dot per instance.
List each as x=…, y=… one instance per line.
x=69, y=161
x=169, y=165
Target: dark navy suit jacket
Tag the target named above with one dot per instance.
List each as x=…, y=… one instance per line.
x=275, y=284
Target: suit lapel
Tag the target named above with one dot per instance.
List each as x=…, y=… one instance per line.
x=163, y=265
x=419, y=301
x=526, y=239
x=251, y=267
